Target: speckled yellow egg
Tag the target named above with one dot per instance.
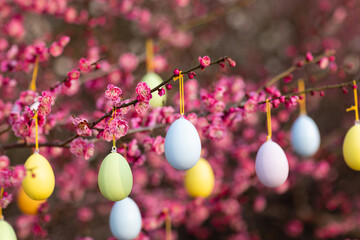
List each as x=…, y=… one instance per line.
x=115, y=179
x=153, y=80
x=27, y=205
x=200, y=180
x=39, y=182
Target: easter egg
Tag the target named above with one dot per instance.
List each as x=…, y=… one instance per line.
x=125, y=219
x=200, y=180
x=39, y=181
x=6, y=231
x=351, y=147
x=271, y=164
x=182, y=145
x=115, y=179
x=153, y=80
x=27, y=205
x=305, y=136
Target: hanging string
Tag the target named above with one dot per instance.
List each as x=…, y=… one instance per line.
x=167, y=224
x=1, y=196
x=301, y=87
x=355, y=107
x=35, y=72
x=114, y=140
x=268, y=115
x=149, y=45
x=35, y=117
x=181, y=89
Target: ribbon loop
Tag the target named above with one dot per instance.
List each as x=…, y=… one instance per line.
x=268, y=115
x=181, y=89
x=149, y=55
x=301, y=88
x=354, y=107
x=35, y=117
x=36, y=69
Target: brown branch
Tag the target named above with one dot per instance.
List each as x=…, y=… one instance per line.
x=92, y=125
x=133, y=102
x=292, y=69
x=5, y=130
x=66, y=78
x=309, y=90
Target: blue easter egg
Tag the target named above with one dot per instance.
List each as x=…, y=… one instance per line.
x=182, y=145
x=305, y=136
x=125, y=219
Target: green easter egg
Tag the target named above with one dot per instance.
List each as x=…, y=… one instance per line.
x=153, y=80
x=6, y=231
x=115, y=179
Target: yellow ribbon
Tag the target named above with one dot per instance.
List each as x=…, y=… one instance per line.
x=167, y=224
x=35, y=72
x=112, y=118
x=355, y=107
x=181, y=89
x=35, y=117
x=1, y=195
x=301, y=86
x=149, y=55
x=268, y=115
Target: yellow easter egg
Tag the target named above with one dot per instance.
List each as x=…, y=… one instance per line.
x=153, y=80
x=27, y=205
x=39, y=181
x=351, y=147
x=200, y=180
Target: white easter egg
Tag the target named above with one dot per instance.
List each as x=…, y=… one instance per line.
x=271, y=164
x=125, y=219
x=305, y=136
x=182, y=145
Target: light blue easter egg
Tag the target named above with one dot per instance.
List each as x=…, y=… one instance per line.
x=125, y=219
x=182, y=145
x=305, y=136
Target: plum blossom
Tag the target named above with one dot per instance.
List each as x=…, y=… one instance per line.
x=82, y=148
x=84, y=65
x=141, y=107
x=113, y=93
x=204, y=61
x=143, y=91
x=73, y=74
x=82, y=127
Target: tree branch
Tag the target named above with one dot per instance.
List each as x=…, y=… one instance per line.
x=92, y=125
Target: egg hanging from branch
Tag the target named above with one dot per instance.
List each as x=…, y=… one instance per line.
x=182, y=145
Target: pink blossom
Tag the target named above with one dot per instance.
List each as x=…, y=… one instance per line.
x=141, y=107
x=260, y=204
x=250, y=106
x=84, y=65
x=158, y=145
x=46, y=99
x=73, y=74
x=323, y=63
x=204, y=61
x=27, y=97
x=113, y=93
x=70, y=15
x=128, y=62
x=85, y=214
x=4, y=162
x=161, y=92
x=64, y=40
x=82, y=148
x=143, y=91
x=21, y=128
x=294, y=228
x=82, y=127
x=309, y=57
x=15, y=28
x=55, y=49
